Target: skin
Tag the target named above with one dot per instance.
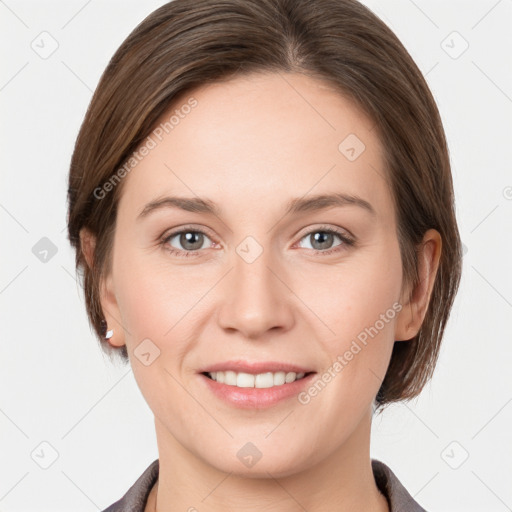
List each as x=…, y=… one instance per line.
x=251, y=145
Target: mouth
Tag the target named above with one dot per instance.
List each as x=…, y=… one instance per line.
x=255, y=384
x=259, y=380
x=256, y=388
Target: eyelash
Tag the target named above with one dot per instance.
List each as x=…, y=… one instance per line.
x=347, y=241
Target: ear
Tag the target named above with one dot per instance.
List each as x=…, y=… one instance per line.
x=108, y=300
x=415, y=302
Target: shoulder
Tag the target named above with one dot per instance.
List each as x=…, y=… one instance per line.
x=136, y=497
x=398, y=497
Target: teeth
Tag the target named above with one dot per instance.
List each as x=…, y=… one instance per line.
x=262, y=380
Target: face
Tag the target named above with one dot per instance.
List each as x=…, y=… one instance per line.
x=313, y=289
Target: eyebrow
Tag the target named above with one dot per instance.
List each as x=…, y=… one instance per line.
x=297, y=205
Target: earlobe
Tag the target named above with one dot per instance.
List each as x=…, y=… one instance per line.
x=106, y=292
x=415, y=302
x=111, y=312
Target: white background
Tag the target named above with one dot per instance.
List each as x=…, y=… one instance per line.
x=57, y=387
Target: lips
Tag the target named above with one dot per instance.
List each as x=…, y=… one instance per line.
x=257, y=397
x=255, y=367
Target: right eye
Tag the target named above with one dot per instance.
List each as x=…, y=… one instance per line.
x=191, y=241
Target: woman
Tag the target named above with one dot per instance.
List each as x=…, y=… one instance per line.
x=261, y=204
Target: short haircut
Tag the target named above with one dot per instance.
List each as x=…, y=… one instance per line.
x=186, y=43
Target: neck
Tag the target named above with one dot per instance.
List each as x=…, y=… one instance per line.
x=343, y=481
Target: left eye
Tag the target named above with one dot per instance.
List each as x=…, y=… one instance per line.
x=322, y=239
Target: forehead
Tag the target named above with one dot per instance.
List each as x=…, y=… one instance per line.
x=263, y=138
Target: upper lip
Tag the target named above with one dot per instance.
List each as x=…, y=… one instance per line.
x=255, y=367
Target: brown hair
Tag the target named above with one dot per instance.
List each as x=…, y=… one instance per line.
x=186, y=43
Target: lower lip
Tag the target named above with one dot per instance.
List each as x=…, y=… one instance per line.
x=256, y=398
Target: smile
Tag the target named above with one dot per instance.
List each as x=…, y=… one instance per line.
x=260, y=380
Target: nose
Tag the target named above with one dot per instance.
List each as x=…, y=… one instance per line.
x=255, y=297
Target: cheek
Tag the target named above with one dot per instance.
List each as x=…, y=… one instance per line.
x=161, y=303
x=154, y=297
x=153, y=306
x=353, y=295
x=358, y=307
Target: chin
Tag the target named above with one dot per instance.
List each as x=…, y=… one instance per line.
x=260, y=465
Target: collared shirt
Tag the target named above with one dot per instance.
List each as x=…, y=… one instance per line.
x=399, y=500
